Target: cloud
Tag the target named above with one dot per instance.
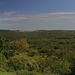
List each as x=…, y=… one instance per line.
x=14, y=18
x=40, y=15
x=20, y=13
x=61, y=13
x=11, y=13
x=43, y=17
x=49, y=15
x=65, y=17
x=10, y=24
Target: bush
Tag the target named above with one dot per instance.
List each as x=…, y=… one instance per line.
x=8, y=53
x=22, y=61
x=59, y=67
x=3, y=63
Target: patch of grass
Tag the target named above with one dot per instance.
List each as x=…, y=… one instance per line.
x=7, y=73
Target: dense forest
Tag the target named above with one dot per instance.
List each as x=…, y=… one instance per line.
x=41, y=52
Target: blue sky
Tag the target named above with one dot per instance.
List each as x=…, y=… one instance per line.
x=37, y=14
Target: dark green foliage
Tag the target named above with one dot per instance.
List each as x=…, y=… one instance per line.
x=59, y=67
x=2, y=43
x=8, y=53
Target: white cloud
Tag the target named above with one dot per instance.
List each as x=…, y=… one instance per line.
x=61, y=13
x=14, y=18
x=44, y=17
x=9, y=13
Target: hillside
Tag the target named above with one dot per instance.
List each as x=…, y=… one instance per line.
x=41, y=52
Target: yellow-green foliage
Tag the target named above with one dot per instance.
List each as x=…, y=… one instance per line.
x=21, y=45
x=3, y=63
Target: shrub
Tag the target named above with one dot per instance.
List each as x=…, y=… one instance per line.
x=3, y=63
x=22, y=61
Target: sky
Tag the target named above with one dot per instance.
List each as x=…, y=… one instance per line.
x=37, y=15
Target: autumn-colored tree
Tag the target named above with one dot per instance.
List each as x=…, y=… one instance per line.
x=21, y=45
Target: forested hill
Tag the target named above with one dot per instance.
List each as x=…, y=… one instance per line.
x=40, y=52
x=14, y=35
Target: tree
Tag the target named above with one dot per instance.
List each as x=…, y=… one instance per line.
x=2, y=42
x=21, y=45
